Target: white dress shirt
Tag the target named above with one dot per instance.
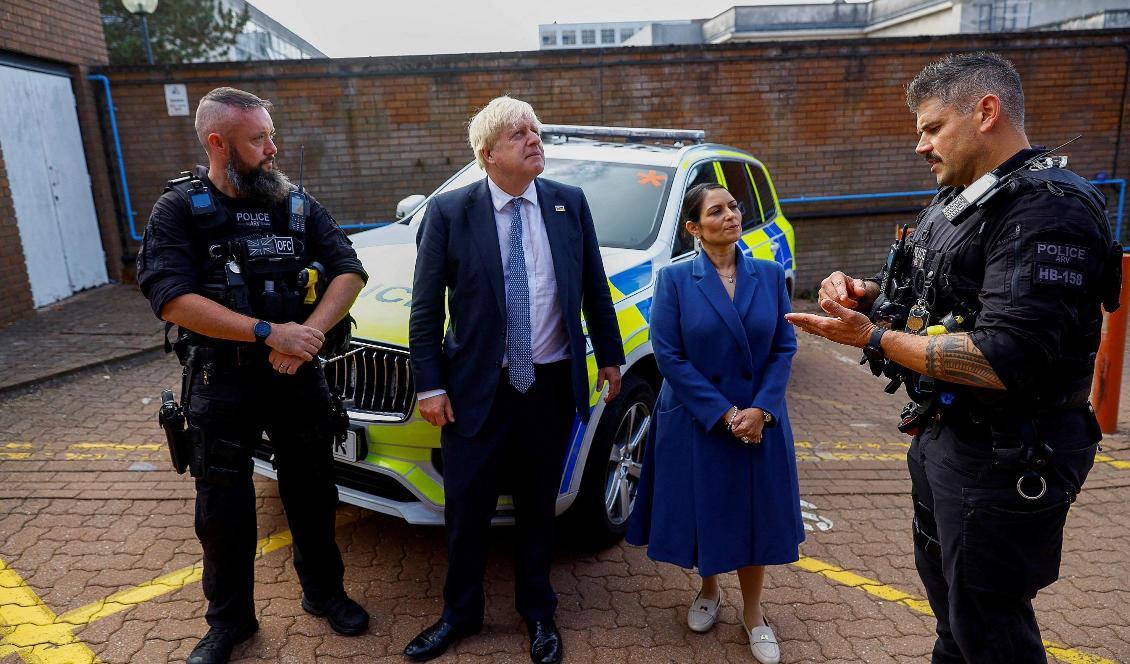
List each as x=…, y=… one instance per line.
x=549, y=339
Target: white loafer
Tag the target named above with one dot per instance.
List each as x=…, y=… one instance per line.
x=703, y=613
x=763, y=643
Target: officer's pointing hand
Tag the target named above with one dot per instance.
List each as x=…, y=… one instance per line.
x=295, y=339
x=842, y=289
x=843, y=325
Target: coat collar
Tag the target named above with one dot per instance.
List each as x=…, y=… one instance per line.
x=731, y=312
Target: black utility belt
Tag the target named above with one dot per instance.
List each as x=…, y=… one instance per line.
x=231, y=356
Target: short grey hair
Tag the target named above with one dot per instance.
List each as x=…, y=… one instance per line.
x=959, y=80
x=213, y=112
x=501, y=114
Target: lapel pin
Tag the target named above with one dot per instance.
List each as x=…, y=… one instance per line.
x=559, y=208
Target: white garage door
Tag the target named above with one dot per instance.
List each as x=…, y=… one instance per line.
x=50, y=184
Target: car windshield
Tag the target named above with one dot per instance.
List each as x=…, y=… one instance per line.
x=626, y=200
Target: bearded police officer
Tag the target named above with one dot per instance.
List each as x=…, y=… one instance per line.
x=989, y=313
x=256, y=274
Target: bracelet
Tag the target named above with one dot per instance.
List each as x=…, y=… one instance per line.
x=730, y=422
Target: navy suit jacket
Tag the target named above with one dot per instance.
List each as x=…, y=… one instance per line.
x=458, y=254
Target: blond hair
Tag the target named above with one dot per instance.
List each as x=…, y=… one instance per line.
x=500, y=114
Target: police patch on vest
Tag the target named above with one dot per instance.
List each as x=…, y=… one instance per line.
x=1057, y=275
x=253, y=219
x=270, y=246
x=1064, y=254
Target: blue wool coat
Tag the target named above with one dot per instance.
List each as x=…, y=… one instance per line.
x=706, y=499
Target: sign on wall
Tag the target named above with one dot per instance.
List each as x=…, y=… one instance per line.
x=176, y=98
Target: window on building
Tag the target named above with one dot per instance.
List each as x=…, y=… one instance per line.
x=549, y=39
x=608, y=36
x=626, y=33
x=568, y=37
x=588, y=36
x=1003, y=15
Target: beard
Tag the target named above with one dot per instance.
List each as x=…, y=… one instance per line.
x=271, y=187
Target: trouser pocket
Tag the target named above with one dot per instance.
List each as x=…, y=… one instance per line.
x=1009, y=544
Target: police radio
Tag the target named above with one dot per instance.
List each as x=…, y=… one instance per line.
x=296, y=203
x=976, y=195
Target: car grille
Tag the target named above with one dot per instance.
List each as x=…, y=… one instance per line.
x=375, y=382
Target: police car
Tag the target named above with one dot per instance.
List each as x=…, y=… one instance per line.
x=634, y=180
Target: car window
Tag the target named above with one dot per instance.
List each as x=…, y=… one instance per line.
x=700, y=173
x=626, y=200
x=764, y=191
x=737, y=182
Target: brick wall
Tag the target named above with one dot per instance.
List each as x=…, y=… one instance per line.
x=15, y=292
x=67, y=31
x=826, y=117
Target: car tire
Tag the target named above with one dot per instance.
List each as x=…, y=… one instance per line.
x=598, y=518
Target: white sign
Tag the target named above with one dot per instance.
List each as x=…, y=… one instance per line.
x=176, y=98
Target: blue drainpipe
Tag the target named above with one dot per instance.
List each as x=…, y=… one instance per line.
x=118, y=151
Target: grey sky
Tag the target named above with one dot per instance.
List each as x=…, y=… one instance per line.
x=354, y=28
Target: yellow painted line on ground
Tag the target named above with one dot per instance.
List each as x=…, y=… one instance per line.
x=173, y=581
x=847, y=456
x=116, y=446
x=15, y=455
x=882, y=591
x=31, y=630
x=1121, y=465
x=16, y=446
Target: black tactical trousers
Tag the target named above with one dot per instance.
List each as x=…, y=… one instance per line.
x=232, y=410
x=981, y=549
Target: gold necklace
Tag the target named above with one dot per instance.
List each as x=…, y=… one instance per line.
x=728, y=277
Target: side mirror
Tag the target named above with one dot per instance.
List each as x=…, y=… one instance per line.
x=408, y=205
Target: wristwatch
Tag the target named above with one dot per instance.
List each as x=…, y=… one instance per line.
x=262, y=330
x=873, y=350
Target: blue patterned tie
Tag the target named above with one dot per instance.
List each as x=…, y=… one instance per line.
x=518, y=345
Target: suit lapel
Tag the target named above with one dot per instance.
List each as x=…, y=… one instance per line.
x=555, y=218
x=746, y=286
x=480, y=217
x=711, y=286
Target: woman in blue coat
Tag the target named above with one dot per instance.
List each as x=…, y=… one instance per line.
x=719, y=486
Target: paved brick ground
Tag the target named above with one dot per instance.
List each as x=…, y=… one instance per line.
x=87, y=509
x=102, y=325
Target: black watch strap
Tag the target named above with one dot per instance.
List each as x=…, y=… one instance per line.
x=874, y=349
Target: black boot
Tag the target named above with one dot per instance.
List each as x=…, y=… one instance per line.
x=217, y=644
x=346, y=616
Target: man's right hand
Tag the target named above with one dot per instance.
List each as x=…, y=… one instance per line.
x=437, y=410
x=296, y=339
x=843, y=290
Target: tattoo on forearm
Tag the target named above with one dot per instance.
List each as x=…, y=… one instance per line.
x=954, y=358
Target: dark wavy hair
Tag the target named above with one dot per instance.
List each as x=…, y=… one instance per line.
x=692, y=202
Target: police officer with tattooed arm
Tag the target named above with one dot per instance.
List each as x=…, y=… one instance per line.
x=989, y=315
x=258, y=277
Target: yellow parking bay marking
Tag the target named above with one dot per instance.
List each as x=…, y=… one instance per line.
x=1061, y=652
x=31, y=630
x=1121, y=465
